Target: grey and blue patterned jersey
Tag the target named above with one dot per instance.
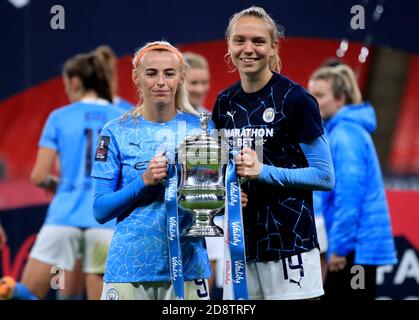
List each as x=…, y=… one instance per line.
x=278, y=221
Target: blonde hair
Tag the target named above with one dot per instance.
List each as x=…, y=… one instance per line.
x=195, y=61
x=182, y=103
x=343, y=82
x=275, y=32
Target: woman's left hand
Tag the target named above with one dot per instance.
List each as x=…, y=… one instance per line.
x=336, y=263
x=248, y=164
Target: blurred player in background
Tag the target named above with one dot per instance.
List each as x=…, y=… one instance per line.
x=356, y=211
x=197, y=80
x=70, y=230
x=279, y=119
x=317, y=200
x=108, y=56
x=130, y=165
x=75, y=287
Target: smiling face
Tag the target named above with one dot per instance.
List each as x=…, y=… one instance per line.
x=158, y=76
x=251, y=46
x=197, y=84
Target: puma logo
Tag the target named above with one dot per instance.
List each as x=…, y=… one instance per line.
x=134, y=144
x=231, y=114
x=297, y=282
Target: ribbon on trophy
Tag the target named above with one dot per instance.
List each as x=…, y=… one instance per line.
x=175, y=254
x=235, y=286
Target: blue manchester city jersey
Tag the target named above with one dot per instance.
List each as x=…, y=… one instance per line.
x=139, y=247
x=72, y=131
x=123, y=104
x=278, y=221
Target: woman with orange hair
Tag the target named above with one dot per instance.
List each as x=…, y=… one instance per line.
x=130, y=165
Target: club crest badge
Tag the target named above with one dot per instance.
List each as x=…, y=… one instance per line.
x=269, y=115
x=112, y=294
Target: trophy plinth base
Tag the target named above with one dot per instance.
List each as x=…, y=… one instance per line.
x=203, y=231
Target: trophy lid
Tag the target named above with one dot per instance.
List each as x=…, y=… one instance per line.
x=201, y=143
x=203, y=119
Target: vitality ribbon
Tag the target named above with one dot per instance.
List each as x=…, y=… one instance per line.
x=235, y=286
x=175, y=254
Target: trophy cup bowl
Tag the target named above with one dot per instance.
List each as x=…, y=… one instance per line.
x=201, y=190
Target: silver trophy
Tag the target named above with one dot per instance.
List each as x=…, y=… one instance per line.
x=202, y=188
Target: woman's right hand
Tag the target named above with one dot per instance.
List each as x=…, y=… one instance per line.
x=156, y=171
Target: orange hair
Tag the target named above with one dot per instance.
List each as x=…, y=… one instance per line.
x=156, y=47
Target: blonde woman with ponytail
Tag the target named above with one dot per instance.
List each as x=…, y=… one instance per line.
x=130, y=168
x=283, y=156
x=356, y=212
